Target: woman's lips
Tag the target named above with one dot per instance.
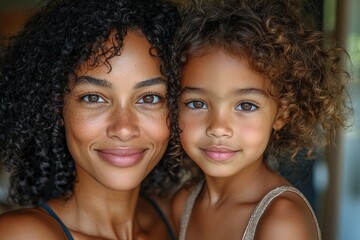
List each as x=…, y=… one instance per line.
x=125, y=157
x=219, y=153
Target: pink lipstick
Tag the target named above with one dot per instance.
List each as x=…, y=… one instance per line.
x=124, y=157
x=219, y=153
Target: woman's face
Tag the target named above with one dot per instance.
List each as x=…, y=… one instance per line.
x=115, y=121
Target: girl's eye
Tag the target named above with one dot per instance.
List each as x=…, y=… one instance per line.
x=150, y=99
x=196, y=104
x=246, y=106
x=93, y=98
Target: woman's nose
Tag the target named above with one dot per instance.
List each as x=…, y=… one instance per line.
x=219, y=125
x=124, y=125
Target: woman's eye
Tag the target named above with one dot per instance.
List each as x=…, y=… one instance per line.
x=93, y=98
x=150, y=99
x=196, y=104
x=246, y=106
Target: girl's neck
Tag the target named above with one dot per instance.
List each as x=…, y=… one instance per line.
x=247, y=186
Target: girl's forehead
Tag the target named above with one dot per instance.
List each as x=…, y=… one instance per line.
x=234, y=49
x=222, y=70
x=220, y=66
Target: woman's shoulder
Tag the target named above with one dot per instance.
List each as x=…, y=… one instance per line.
x=29, y=223
x=288, y=216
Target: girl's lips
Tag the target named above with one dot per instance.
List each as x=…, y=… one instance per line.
x=219, y=153
x=125, y=157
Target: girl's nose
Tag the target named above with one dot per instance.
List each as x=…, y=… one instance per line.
x=219, y=125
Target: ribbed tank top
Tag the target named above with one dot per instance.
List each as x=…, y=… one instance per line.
x=250, y=230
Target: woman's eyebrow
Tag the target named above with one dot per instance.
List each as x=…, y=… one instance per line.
x=93, y=81
x=107, y=84
x=151, y=82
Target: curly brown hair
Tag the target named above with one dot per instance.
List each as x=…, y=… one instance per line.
x=306, y=73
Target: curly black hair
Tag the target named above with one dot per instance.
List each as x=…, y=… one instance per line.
x=306, y=73
x=36, y=65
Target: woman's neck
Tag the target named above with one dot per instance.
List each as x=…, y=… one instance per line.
x=101, y=212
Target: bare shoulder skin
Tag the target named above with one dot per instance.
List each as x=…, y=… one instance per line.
x=287, y=217
x=30, y=224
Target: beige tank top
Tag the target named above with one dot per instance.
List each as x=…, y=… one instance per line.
x=255, y=216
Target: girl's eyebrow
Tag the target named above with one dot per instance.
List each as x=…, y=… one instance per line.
x=191, y=89
x=247, y=91
x=240, y=91
x=107, y=84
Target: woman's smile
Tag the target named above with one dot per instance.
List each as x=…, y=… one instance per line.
x=122, y=157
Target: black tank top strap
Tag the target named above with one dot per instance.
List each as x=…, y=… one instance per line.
x=162, y=216
x=47, y=208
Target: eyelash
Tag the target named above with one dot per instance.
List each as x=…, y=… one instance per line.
x=154, y=95
x=85, y=98
x=159, y=98
x=253, y=107
x=190, y=104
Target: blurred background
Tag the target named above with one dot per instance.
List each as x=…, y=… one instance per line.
x=332, y=181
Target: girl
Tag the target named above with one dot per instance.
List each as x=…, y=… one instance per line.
x=254, y=84
x=83, y=106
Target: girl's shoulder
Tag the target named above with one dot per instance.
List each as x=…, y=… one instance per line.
x=287, y=216
x=29, y=223
x=179, y=202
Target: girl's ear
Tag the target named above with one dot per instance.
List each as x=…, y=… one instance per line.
x=279, y=123
x=280, y=120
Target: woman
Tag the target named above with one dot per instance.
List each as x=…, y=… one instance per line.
x=83, y=89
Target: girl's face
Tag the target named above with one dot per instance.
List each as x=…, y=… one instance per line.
x=115, y=121
x=225, y=113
